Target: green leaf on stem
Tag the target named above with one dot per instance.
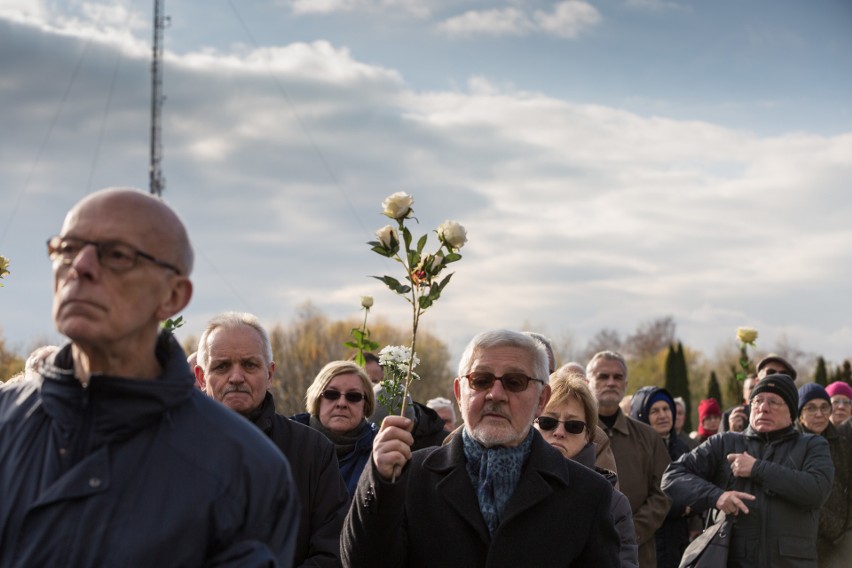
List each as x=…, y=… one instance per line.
x=445, y=281
x=452, y=257
x=406, y=235
x=421, y=243
x=394, y=284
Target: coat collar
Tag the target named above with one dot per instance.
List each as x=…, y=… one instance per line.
x=120, y=406
x=544, y=471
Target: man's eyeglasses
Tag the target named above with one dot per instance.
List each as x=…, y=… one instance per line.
x=353, y=397
x=512, y=382
x=116, y=255
x=772, y=403
x=547, y=424
x=811, y=409
x=841, y=402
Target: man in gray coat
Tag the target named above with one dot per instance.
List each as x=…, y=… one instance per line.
x=496, y=495
x=770, y=477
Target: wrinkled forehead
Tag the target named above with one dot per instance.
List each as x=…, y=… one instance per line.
x=507, y=357
x=235, y=341
x=766, y=395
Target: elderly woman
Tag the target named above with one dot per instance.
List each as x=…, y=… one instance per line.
x=655, y=407
x=569, y=417
x=833, y=544
x=841, y=402
x=337, y=404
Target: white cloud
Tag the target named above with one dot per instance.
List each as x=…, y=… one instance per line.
x=409, y=8
x=506, y=21
x=579, y=216
x=567, y=20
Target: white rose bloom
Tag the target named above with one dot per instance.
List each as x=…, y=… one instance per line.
x=453, y=234
x=384, y=235
x=367, y=302
x=398, y=205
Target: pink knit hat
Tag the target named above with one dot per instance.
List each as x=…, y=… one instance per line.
x=839, y=387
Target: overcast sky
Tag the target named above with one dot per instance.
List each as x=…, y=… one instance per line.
x=613, y=160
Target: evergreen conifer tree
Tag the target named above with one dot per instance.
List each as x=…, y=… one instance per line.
x=714, y=390
x=821, y=375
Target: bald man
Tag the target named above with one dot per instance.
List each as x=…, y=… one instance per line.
x=110, y=455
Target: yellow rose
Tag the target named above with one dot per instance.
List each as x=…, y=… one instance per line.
x=452, y=234
x=4, y=267
x=746, y=335
x=398, y=205
x=387, y=235
x=367, y=302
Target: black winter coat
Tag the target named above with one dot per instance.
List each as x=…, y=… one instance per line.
x=558, y=516
x=318, y=481
x=131, y=472
x=791, y=480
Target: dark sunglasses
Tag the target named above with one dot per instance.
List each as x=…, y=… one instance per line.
x=547, y=424
x=353, y=397
x=512, y=382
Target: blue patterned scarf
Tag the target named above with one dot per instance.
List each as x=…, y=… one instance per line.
x=495, y=473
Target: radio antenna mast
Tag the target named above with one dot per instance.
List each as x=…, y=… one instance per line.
x=157, y=182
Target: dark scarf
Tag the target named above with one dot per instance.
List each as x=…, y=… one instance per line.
x=495, y=473
x=343, y=443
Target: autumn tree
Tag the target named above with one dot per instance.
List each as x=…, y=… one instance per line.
x=301, y=348
x=10, y=362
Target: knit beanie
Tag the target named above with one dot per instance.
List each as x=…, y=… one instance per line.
x=707, y=407
x=783, y=386
x=811, y=391
x=839, y=387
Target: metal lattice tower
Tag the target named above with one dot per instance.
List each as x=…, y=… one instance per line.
x=157, y=182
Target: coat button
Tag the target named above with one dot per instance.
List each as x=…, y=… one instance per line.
x=94, y=482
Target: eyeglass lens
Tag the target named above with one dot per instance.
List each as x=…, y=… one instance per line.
x=512, y=382
x=352, y=397
x=548, y=423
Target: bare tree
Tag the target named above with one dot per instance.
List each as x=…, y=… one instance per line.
x=650, y=338
x=606, y=339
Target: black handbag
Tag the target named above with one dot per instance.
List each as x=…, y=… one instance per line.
x=710, y=548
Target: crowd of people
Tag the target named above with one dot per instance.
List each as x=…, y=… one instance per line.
x=117, y=449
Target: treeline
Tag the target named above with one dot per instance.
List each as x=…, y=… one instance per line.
x=302, y=347
x=655, y=357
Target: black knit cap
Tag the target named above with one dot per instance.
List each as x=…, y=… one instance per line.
x=783, y=386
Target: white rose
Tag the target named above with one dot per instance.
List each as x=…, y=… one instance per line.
x=432, y=262
x=452, y=234
x=387, y=235
x=367, y=302
x=398, y=205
